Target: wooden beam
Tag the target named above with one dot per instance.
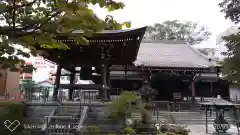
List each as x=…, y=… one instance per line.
x=147, y=68
x=81, y=86
x=126, y=78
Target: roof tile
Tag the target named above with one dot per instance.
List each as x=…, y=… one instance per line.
x=171, y=54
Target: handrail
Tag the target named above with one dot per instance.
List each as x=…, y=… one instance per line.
x=77, y=112
x=82, y=119
x=48, y=118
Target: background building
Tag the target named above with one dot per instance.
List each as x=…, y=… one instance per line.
x=9, y=84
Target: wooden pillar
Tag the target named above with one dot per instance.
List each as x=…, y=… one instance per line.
x=104, y=81
x=108, y=77
x=108, y=82
x=72, y=81
x=211, y=88
x=193, y=88
x=57, y=82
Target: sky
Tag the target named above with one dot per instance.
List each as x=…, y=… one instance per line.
x=147, y=12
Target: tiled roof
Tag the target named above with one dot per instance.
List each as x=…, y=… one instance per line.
x=171, y=54
x=48, y=81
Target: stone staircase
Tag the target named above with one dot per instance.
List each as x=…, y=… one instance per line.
x=157, y=116
x=65, y=121
x=35, y=116
x=98, y=116
x=184, y=117
x=197, y=118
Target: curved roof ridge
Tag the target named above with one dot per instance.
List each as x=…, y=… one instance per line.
x=113, y=31
x=199, y=53
x=164, y=41
x=203, y=56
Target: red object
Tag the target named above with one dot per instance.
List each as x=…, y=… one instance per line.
x=26, y=75
x=28, y=63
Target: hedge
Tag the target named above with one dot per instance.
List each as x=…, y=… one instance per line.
x=12, y=110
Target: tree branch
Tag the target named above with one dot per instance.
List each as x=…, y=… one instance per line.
x=47, y=20
x=28, y=29
x=10, y=8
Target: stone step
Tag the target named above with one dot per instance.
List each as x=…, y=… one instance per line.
x=60, y=132
x=192, y=122
x=68, y=111
x=68, y=125
x=35, y=131
x=196, y=120
x=97, y=114
x=106, y=128
x=67, y=114
x=61, y=121
x=197, y=117
x=98, y=121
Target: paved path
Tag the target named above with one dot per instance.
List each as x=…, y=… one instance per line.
x=201, y=130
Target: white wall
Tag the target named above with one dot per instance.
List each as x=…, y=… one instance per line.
x=41, y=74
x=234, y=93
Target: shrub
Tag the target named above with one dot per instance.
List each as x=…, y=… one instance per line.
x=11, y=110
x=129, y=131
x=127, y=103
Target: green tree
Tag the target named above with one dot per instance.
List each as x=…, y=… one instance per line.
x=231, y=66
x=190, y=32
x=36, y=22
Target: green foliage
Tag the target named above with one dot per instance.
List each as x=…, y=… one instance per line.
x=127, y=103
x=36, y=23
x=92, y=130
x=190, y=32
x=231, y=9
x=12, y=110
x=129, y=131
x=27, y=85
x=95, y=130
x=231, y=67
